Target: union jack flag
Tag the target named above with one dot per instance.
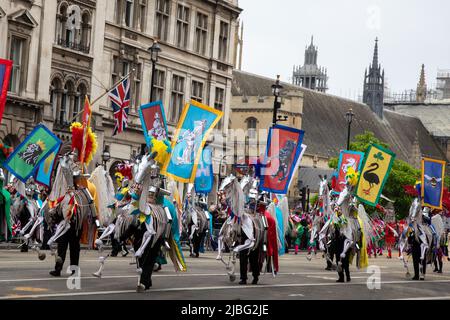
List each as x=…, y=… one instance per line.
x=120, y=100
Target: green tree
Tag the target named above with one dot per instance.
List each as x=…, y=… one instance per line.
x=401, y=174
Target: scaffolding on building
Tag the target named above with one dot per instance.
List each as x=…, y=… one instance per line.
x=443, y=83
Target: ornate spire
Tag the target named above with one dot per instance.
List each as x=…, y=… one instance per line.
x=421, y=93
x=375, y=54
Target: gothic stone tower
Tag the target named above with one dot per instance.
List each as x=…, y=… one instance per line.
x=374, y=85
x=421, y=93
x=310, y=75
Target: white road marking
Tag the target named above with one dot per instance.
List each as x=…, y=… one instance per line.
x=319, y=275
x=296, y=295
x=427, y=298
x=72, y=294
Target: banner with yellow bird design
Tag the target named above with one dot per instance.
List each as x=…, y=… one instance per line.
x=374, y=174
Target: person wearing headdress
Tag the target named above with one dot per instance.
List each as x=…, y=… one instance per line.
x=73, y=238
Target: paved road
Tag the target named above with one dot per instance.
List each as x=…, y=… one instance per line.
x=22, y=275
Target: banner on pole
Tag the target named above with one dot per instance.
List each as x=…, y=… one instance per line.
x=282, y=153
x=196, y=122
x=153, y=121
x=29, y=155
x=376, y=168
x=433, y=174
x=347, y=159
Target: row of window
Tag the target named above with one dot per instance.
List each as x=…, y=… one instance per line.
x=134, y=12
x=66, y=101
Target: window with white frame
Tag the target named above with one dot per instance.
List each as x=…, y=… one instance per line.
x=201, y=33
x=223, y=41
x=197, y=91
x=176, y=98
x=162, y=19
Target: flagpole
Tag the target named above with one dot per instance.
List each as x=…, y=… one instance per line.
x=104, y=94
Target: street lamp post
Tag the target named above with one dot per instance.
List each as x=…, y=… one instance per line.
x=106, y=156
x=276, y=90
x=349, y=117
x=154, y=50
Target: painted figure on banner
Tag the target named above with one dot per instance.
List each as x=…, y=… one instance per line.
x=347, y=160
x=284, y=147
x=153, y=121
x=158, y=131
x=196, y=122
x=191, y=141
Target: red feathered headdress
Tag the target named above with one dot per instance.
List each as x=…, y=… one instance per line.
x=77, y=142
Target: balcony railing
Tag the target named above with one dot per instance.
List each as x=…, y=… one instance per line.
x=73, y=45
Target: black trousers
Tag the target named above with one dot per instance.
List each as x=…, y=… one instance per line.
x=247, y=256
x=148, y=258
x=197, y=241
x=416, y=259
x=345, y=261
x=72, y=240
x=47, y=236
x=330, y=252
x=438, y=262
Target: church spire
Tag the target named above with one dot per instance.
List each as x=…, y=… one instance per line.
x=421, y=93
x=374, y=85
x=375, y=54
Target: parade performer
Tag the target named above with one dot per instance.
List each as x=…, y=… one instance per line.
x=353, y=227
x=74, y=201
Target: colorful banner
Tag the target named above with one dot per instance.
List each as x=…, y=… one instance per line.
x=376, y=168
x=153, y=121
x=347, y=159
x=196, y=122
x=5, y=75
x=204, y=179
x=282, y=153
x=299, y=161
x=433, y=174
x=29, y=155
x=43, y=174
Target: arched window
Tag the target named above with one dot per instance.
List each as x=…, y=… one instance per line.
x=85, y=32
x=66, y=102
x=61, y=19
x=251, y=127
x=55, y=95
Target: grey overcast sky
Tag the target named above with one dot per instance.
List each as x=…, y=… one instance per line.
x=410, y=32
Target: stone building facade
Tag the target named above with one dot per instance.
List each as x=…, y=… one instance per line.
x=66, y=49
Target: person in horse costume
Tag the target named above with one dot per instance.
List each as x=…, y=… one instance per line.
x=82, y=218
